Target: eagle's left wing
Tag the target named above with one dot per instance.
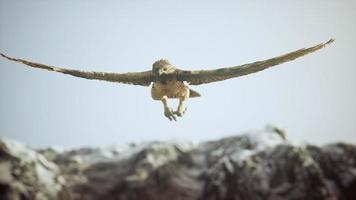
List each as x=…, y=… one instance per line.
x=207, y=76
x=136, y=78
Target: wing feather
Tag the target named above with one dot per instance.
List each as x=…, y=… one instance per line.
x=136, y=78
x=207, y=76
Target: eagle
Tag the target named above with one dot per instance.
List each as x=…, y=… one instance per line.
x=170, y=82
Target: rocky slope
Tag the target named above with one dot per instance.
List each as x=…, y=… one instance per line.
x=26, y=174
x=259, y=165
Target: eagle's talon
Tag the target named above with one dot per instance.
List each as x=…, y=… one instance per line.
x=173, y=115
x=180, y=112
x=170, y=114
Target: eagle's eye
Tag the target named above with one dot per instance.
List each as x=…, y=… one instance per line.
x=165, y=69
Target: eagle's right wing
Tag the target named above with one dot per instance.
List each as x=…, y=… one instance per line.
x=136, y=78
x=198, y=77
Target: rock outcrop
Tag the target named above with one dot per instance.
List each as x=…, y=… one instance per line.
x=260, y=165
x=26, y=174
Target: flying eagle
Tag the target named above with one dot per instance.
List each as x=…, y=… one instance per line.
x=169, y=81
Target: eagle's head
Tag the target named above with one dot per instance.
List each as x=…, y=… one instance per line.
x=162, y=67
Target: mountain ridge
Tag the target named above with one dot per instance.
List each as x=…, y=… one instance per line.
x=258, y=165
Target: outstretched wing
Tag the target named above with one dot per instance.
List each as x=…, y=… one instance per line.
x=135, y=78
x=207, y=76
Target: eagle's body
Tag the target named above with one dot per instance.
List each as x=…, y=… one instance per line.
x=170, y=82
x=172, y=89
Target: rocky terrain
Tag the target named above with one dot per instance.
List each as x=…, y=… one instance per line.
x=258, y=165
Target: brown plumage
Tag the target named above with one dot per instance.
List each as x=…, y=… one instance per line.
x=171, y=82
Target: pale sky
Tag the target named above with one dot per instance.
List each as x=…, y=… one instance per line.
x=313, y=98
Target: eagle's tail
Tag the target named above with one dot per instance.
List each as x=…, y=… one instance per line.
x=193, y=93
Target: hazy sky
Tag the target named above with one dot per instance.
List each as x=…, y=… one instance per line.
x=312, y=98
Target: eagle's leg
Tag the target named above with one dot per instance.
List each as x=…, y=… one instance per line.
x=168, y=112
x=181, y=107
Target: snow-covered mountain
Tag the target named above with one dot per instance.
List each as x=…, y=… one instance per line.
x=259, y=165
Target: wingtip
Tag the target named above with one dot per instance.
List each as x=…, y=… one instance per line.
x=5, y=56
x=330, y=41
